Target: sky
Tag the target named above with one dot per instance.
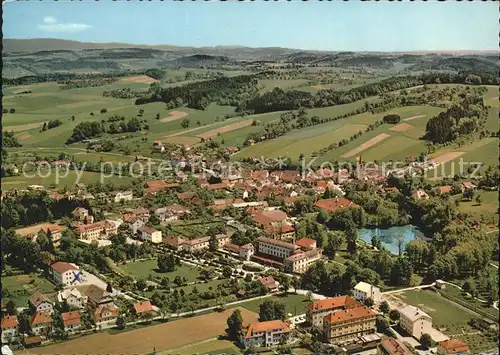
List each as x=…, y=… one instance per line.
x=314, y=25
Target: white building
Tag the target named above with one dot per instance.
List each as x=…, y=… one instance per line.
x=39, y=303
x=246, y=251
x=150, y=234
x=9, y=329
x=270, y=333
x=41, y=324
x=73, y=297
x=364, y=290
x=415, y=321
x=124, y=196
x=64, y=273
x=275, y=247
x=299, y=263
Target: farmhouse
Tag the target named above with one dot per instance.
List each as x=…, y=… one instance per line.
x=41, y=324
x=71, y=321
x=415, y=321
x=364, y=290
x=349, y=324
x=105, y=315
x=270, y=333
x=333, y=204
x=40, y=303
x=64, y=273
x=320, y=308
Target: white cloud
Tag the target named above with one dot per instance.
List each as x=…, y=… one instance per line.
x=50, y=24
x=49, y=20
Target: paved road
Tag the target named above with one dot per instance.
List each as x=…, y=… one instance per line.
x=408, y=289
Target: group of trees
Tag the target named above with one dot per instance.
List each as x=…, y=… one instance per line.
x=84, y=83
x=9, y=140
x=86, y=130
x=51, y=124
x=124, y=93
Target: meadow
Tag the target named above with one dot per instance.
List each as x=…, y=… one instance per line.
x=294, y=304
x=19, y=288
x=142, y=269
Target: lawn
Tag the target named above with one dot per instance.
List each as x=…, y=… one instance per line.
x=19, y=288
x=141, y=269
x=294, y=304
x=444, y=313
x=472, y=302
x=488, y=207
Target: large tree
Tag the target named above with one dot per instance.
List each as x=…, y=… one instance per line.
x=235, y=326
x=271, y=310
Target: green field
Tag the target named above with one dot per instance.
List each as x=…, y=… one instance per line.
x=211, y=347
x=20, y=287
x=294, y=304
x=141, y=269
x=444, y=314
x=487, y=208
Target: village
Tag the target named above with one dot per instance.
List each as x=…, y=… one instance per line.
x=259, y=236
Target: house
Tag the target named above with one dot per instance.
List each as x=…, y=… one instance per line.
x=333, y=204
x=64, y=273
x=453, y=346
x=73, y=297
x=150, y=234
x=391, y=346
x=280, y=231
x=299, y=262
x=54, y=233
x=9, y=329
x=71, y=321
x=174, y=242
x=81, y=214
x=123, y=196
x=105, y=315
x=275, y=247
x=219, y=240
x=197, y=244
x=446, y=189
x=270, y=333
x=39, y=303
x=141, y=308
x=41, y=324
x=246, y=251
x=320, y=308
x=98, y=297
x=415, y=321
x=269, y=282
x=134, y=221
x=349, y=324
x=467, y=185
x=364, y=290
x=420, y=194
x=154, y=186
x=306, y=244
x=170, y=213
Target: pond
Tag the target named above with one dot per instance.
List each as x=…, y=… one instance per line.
x=389, y=237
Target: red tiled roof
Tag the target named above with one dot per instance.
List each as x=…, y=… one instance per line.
x=185, y=195
x=332, y=303
x=41, y=318
x=306, y=243
x=268, y=281
x=9, y=321
x=99, y=311
x=197, y=241
x=143, y=307
x=350, y=314
x=394, y=347
x=51, y=229
x=219, y=186
x=232, y=247
x=173, y=240
x=62, y=267
x=453, y=346
x=277, y=242
x=71, y=318
x=332, y=204
x=268, y=217
x=269, y=326
x=149, y=230
x=445, y=189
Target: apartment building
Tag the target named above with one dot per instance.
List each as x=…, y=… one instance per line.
x=364, y=290
x=300, y=262
x=63, y=272
x=349, y=324
x=270, y=333
x=97, y=230
x=320, y=308
x=150, y=234
x=275, y=247
x=415, y=321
